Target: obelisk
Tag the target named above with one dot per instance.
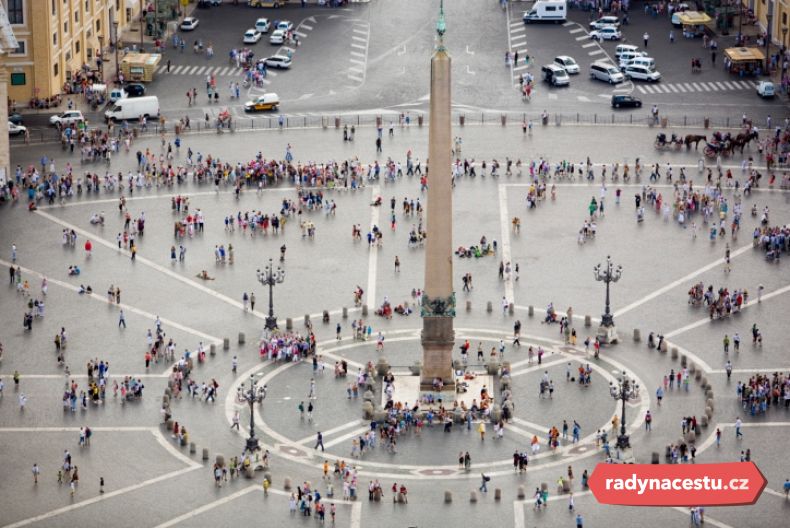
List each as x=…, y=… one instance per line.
x=438, y=304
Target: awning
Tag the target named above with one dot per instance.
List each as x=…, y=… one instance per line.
x=744, y=54
x=693, y=18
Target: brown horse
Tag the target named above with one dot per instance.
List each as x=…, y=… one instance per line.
x=694, y=138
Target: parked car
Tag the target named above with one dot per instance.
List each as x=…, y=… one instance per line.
x=209, y=3
x=15, y=130
x=603, y=71
x=567, y=63
x=285, y=25
x=676, y=14
x=189, y=24
x=262, y=25
x=252, y=36
x=624, y=101
x=766, y=89
x=278, y=61
x=628, y=56
x=15, y=118
x=134, y=90
x=641, y=73
x=625, y=48
x=268, y=101
x=66, y=118
x=605, y=21
x=278, y=37
x=555, y=75
x=606, y=33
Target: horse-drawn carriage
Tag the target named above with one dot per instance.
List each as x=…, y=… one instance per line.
x=662, y=143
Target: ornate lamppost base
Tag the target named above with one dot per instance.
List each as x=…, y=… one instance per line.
x=252, y=445
x=271, y=323
x=607, y=334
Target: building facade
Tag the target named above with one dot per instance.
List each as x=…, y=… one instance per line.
x=59, y=41
x=773, y=15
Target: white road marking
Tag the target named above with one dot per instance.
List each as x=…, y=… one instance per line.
x=469, y=71
x=708, y=519
x=583, y=37
x=348, y=436
x=357, y=61
x=373, y=251
x=361, y=31
x=577, y=30
x=519, y=68
x=566, y=24
x=356, y=515
x=706, y=320
x=303, y=35
x=129, y=309
x=518, y=514
x=683, y=280
x=542, y=366
x=176, y=71
x=640, y=88
x=357, y=54
x=680, y=87
x=698, y=88
x=517, y=26
x=312, y=437
x=583, y=98
x=672, y=87
x=209, y=506
x=553, y=97
x=504, y=225
x=713, y=86
x=589, y=45
x=595, y=52
x=721, y=85
x=356, y=78
x=305, y=26
x=359, y=46
x=355, y=37
x=689, y=87
x=149, y=263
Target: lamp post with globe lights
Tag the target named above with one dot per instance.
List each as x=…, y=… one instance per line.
x=626, y=389
x=607, y=333
x=270, y=277
x=251, y=394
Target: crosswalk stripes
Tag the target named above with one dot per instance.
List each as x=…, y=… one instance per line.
x=357, y=45
x=698, y=88
x=703, y=87
x=520, y=29
x=688, y=87
x=672, y=87
x=680, y=87
x=713, y=86
x=516, y=25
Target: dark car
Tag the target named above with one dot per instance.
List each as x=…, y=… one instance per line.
x=622, y=101
x=135, y=90
x=15, y=118
x=209, y=3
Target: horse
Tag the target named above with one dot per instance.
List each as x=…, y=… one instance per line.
x=694, y=138
x=747, y=137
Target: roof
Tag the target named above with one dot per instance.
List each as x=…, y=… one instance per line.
x=146, y=58
x=690, y=18
x=744, y=54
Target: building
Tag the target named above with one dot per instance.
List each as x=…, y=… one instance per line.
x=773, y=13
x=7, y=42
x=59, y=42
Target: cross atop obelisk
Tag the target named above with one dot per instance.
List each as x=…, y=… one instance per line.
x=438, y=305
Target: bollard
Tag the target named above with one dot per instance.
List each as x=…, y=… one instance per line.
x=368, y=396
x=703, y=421
x=521, y=493
x=289, y=324
x=698, y=375
x=364, y=310
x=212, y=349
x=419, y=120
x=249, y=472
x=637, y=335
x=345, y=312
x=708, y=412
x=242, y=338
x=205, y=453
x=503, y=118
x=587, y=321
x=448, y=496
x=226, y=343
x=468, y=306
x=531, y=310
x=169, y=425
x=473, y=496
x=461, y=120
x=325, y=316
x=709, y=403
x=510, y=308
x=709, y=393
x=692, y=368
x=287, y=484
x=691, y=437
x=489, y=307
x=307, y=320
x=367, y=410
x=674, y=352
x=497, y=494
x=382, y=366
x=192, y=448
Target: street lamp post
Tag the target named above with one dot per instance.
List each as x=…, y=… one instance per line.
x=626, y=389
x=117, y=64
x=607, y=274
x=270, y=277
x=251, y=395
x=769, y=26
x=784, y=36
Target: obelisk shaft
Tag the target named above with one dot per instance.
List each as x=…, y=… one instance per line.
x=439, y=302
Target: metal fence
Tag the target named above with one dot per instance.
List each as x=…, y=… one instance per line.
x=514, y=119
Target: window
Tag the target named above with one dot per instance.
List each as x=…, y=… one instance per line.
x=68, y=56
x=55, y=70
x=77, y=47
x=21, y=49
x=784, y=19
x=55, y=39
x=16, y=11
x=66, y=26
x=98, y=26
x=76, y=18
x=54, y=7
x=18, y=79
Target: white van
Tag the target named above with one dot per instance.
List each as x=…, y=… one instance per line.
x=603, y=71
x=133, y=108
x=547, y=11
x=647, y=62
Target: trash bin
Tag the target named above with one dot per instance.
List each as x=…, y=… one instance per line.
x=707, y=122
x=664, y=122
x=419, y=120
x=503, y=118
x=337, y=122
x=461, y=120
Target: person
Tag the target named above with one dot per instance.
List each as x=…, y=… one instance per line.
x=484, y=479
x=579, y=521
x=36, y=472
x=319, y=441
x=645, y=38
x=738, y=424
